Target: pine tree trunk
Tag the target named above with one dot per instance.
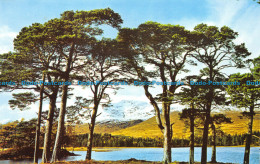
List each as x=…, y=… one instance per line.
x=167, y=153
x=91, y=132
x=59, y=135
x=205, y=139
x=191, y=161
x=38, y=126
x=209, y=98
x=213, y=157
x=167, y=146
x=47, y=137
x=62, y=112
x=249, y=136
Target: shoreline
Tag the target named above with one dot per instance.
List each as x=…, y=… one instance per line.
x=129, y=161
x=104, y=149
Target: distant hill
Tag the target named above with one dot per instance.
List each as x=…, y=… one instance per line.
x=239, y=125
x=149, y=127
x=107, y=126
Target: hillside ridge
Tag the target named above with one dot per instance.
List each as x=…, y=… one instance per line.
x=149, y=127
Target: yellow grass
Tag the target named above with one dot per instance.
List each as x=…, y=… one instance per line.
x=149, y=127
x=97, y=149
x=83, y=129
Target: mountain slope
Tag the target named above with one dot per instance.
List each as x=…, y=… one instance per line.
x=106, y=126
x=149, y=127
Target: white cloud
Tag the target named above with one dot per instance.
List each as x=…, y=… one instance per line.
x=4, y=121
x=224, y=12
x=248, y=28
x=7, y=114
x=241, y=17
x=238, y=15
x=6, y=39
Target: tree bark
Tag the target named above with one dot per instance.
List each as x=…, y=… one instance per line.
x=47, y=137
x=249, y=136
x=167, y=153
x=167, y=146
x=91, y=132
x=155, y=106
x=59, y=135
x=205, y=139
x=58, y=140
x=191, y=160
x=213, y=157
x=207, y=120
x=38, y=126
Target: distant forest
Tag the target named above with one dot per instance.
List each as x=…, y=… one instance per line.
x=22, y=134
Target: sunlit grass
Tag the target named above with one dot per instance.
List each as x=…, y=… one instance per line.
x=97, y=149
x=150, y=129
x=124, y=162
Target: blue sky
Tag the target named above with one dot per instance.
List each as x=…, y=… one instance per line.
x=241, y=15
x=20, y=13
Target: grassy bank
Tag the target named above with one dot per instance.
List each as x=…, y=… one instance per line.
x=106, y=149
x=97, y=149
x=102, y=149
x=130, y=161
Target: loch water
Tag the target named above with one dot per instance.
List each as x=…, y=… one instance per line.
x=224, y=154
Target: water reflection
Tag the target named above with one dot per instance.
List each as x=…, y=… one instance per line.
x=224, y=154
